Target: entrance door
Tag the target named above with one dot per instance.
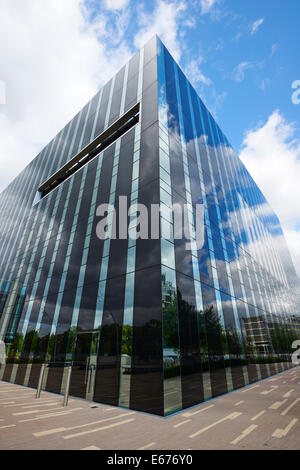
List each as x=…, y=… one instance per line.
x=84, y=364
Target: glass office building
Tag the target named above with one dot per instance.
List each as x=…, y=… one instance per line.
x=153, y=324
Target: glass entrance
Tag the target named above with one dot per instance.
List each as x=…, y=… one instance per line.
x=84, y=364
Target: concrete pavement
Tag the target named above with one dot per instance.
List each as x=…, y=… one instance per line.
x=264, y=415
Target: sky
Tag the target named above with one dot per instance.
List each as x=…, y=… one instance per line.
x=240, y=55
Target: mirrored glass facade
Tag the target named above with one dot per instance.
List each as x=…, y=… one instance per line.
x=149, y=324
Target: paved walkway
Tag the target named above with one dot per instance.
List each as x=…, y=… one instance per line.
x=265, y=415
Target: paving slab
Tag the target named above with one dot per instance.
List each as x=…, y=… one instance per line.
x=261, y=416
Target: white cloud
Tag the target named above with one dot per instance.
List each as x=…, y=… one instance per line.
x=53, y=59
x=264, y=84
x=190, y=22
x=207, y=5
x=164, y=20
x=216, y=101
x=56, y=54
x=256, y=25
x=115, y=4
x=273, y=49
x=194, y=73
x=272, y=155
x=2, y=92
x=239, y=71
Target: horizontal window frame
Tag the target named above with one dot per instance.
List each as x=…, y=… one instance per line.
x=116, y=130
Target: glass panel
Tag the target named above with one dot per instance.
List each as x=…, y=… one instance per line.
x=84, y=364
x=171, y=348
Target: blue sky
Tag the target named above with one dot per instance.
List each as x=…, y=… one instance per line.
x=222, y=40
x=245, y=49
x=241, y=56
x=269, y=55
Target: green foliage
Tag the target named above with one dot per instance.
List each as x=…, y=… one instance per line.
x=171, y=371
x=127, y=340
